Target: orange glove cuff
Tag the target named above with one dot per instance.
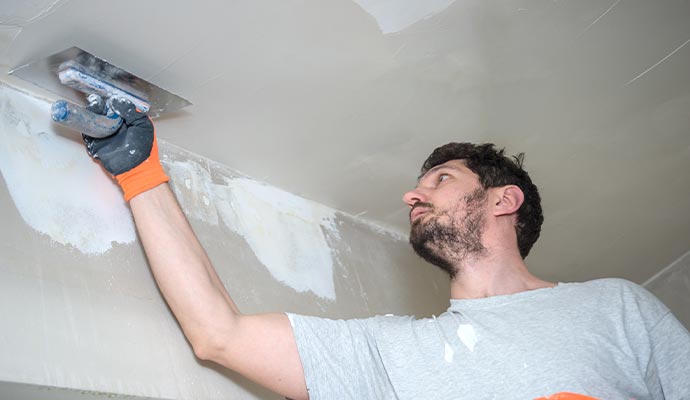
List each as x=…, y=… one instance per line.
x=567, y=396
x=144, y=176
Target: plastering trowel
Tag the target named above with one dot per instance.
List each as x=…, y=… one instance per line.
x=74, y=72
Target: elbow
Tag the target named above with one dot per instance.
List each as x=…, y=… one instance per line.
x=207, y=349
x=203, y=351
x=211, y=344
x=210, y=338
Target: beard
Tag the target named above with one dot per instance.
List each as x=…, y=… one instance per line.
x=445, y=239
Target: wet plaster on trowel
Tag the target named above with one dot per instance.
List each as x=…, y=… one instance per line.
x=57, y=189
x=289, y=235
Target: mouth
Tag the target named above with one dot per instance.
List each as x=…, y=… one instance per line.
x=417, y=212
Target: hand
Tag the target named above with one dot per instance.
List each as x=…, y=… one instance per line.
x=131, y=154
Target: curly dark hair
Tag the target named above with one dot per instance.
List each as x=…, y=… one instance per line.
x=494, y=170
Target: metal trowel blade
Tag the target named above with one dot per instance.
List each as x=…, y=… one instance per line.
x=44, y=73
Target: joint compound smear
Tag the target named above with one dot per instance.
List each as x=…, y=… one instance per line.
x=57, y=189
x=287, y=233
x=394, y=16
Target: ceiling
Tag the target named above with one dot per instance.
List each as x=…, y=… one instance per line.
x=340, y=101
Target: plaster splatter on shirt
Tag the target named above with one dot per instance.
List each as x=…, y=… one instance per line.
x=57, y=189
x=448, y=353
x=394, y=16
x=287, y=233
x=467, y=334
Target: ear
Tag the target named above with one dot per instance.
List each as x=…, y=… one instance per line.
x=507, y=200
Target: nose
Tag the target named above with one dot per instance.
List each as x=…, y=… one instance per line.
x=414, y=196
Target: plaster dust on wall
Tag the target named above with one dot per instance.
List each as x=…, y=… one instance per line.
x=288, y=234
x=393, y=16
x=57, y=189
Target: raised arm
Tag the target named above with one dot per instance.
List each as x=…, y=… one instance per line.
x=261, y=347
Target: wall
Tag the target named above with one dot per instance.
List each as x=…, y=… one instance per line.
x=672, y=286
x=79, y=308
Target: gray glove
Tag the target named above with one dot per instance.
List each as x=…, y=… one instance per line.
x=129, y=146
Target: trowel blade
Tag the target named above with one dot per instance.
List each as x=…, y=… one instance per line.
x=44, y=73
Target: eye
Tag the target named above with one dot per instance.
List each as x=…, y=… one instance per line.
x=442, y=177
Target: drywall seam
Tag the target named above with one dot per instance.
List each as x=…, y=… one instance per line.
x=682, y=260
x=291, y=236
x=608, y=10
x=375, y=226
x=288, y=234
x=383, y=229
x=672, y=286
x=657, y=63
x=21, y=13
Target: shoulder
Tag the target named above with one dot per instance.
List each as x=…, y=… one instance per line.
x=626, y=296
x=620, y=286
x=611, y=283
x=611, y=286
x=368, y=326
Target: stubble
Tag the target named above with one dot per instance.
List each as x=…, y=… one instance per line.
x=448, y=238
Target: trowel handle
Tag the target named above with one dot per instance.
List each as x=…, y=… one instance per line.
x=82, y=120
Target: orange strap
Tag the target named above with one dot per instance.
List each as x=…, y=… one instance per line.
x=144, y=176
x=567, y=396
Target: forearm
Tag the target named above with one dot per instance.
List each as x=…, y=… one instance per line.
x=260, y=347
x=181, y=267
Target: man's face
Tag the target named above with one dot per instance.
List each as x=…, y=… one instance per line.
x=447, y=211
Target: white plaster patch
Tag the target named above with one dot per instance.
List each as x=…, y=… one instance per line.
x=57, y=189
x=393, y=16
x=467, y=334
x=197, y=180
x=386, y=230
x=286, y=233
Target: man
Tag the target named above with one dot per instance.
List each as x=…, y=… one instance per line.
x=507, y=334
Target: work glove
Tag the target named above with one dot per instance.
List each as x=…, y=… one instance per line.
x=131, y=154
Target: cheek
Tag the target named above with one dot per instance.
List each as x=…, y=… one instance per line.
x=449, y=208
x=447, y=198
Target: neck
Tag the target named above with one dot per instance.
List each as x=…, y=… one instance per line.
x=494, y=274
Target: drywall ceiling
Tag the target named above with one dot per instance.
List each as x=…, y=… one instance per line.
x=341, y=100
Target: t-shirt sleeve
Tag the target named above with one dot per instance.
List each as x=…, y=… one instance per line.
x=340, y=358
x=668, y=372
x=665, y=345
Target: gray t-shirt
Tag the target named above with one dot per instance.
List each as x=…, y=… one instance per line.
x=608, y=338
